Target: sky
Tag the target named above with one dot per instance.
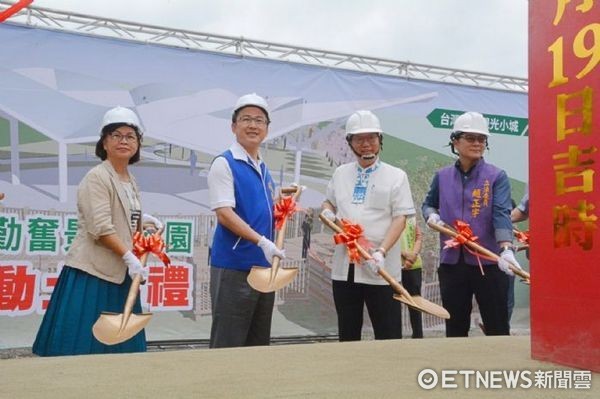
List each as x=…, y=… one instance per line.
x=478, y=35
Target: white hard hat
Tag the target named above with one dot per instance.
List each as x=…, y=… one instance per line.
x=252, y=99
x=121, y=115
x=363, y=122
x=471, y=122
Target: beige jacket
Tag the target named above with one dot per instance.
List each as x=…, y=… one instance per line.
x=103, y=209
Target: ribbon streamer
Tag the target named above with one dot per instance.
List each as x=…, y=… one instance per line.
x=284, y=208
x=153, y=244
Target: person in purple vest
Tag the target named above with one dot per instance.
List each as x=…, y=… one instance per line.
x=241, y=193
x=478, y=193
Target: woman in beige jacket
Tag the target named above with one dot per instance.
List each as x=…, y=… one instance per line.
x=99, y=265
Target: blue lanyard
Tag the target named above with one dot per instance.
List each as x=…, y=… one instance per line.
x=362, y=181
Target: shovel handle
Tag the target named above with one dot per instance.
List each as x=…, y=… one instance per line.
x=397, y=287
x=449, y=231
x=294, y=191
x=279, y=244
x=289, y=190
x=133, y=291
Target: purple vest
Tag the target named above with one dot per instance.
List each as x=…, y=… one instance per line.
x=471, y=201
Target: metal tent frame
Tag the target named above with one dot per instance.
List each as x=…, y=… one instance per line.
x=92, y=26
x=46, y=18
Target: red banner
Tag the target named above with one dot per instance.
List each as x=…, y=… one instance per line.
x=564, y=114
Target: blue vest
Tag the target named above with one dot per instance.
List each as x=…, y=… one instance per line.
x=254, y=204
x=470, y=200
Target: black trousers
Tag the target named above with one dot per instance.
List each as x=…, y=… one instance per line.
x=241, y=316
x=458, y=284
x=384, y=311
x=411, y=280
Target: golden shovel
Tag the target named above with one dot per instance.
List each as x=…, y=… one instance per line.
x=450, y=232
x=401, y=294
x=114, y=328
x=270, y=279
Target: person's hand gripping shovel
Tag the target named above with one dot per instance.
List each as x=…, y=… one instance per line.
x=401, y=294
x=114, y=328
x=269, y=279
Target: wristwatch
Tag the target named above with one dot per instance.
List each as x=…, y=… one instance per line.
x=382, y=250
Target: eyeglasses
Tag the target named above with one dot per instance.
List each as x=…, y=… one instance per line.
x=247, y=120
x=474, y=138
x=371, y=139
x=117, y=138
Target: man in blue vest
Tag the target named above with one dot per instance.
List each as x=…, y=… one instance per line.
x=478, y=193
x=241, y=193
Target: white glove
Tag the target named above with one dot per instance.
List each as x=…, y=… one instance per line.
x=434, y=218
x=328, y=214
x=379, y=259
x=503, y=263
x=134, y=266
x=146, y=218
x=270, y=249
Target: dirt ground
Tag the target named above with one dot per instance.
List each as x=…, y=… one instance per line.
x=366, y=369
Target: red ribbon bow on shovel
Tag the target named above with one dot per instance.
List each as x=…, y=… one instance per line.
x=465, y=234
x=284, y=208
x=153, y=244
x=352, y=234
x=522, y=236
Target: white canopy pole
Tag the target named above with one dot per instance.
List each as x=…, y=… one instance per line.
x=63, y=180
x=297, y=165
x=15, y=170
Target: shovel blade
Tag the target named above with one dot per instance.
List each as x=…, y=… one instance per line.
x=109, y=331
x=423, y=305
x=264, y=279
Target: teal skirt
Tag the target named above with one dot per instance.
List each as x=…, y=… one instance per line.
x=75, y=305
